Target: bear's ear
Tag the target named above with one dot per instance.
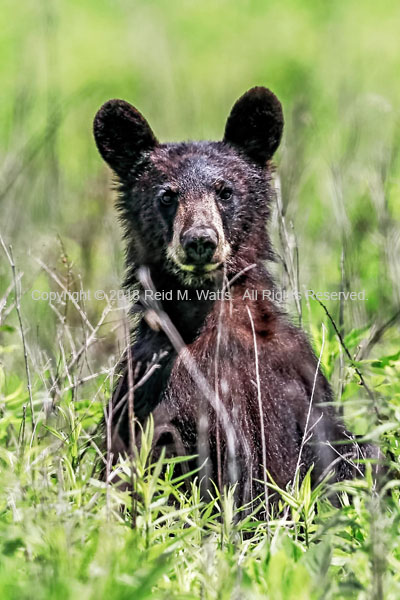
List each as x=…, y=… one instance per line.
x=255, y=124
x=122, y=134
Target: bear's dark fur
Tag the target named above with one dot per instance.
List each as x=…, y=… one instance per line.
x=195, y=216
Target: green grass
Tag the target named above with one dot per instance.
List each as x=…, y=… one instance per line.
x=67, y=534
x=335, y=66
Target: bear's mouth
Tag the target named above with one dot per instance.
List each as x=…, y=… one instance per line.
x=179, y=264
x=199, y=269
x=194, y=275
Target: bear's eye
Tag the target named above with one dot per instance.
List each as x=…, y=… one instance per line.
x=225, y=193
x=168, y=197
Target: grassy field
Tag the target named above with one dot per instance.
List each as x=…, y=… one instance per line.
x=64, y=534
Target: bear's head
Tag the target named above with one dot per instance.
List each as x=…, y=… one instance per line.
x=194, y=208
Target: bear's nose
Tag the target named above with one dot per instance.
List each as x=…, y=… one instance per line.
x=199, y=244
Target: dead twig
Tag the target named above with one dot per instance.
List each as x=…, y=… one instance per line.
x=307, y=431
x=357, y=370
x=261, y=413
x=17, y=282
x=131, y=421
x=67, y=293
x=292, y=270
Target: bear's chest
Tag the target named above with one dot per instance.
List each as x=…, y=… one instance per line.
x=231, y=375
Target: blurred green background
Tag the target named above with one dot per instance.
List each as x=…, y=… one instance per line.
x=334, y=65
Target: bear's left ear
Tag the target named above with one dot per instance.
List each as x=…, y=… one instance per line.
x=255, y=124
x=122, y=134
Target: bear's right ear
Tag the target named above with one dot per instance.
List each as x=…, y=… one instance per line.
x=122, y=134
x=255, y=125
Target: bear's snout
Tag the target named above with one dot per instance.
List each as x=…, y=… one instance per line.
x=199, y=244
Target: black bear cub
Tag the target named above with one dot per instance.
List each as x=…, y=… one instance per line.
x=195, y=217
